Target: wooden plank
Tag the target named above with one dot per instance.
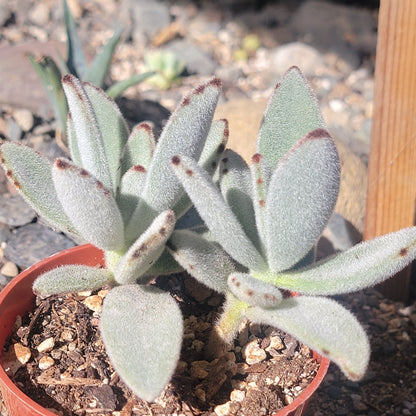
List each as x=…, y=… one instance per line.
x=392, y=165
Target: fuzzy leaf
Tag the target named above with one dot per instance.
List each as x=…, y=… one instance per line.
x=97, y=71
x=261, y=174
x=143, y=348
x=113, y=127
x=363, y=265
x=254, y=291
x=89, y=205
x=292, y=113
x=71, y=278
x=76, y=61
x=131, y=187
x=72, y=141
x=325, y=326
x=217, y=215
x=31, y=175
x=236, y=187
x=185, y=133
x=301, y=197
x=146, y=250
x=206, y=261
x=211, y=154
x=214, y=146
x=90, y=142
x=139, y=147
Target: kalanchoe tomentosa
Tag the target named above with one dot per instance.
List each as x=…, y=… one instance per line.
x=120, y=194
x=267, y=217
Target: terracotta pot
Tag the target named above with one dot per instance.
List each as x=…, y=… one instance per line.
x=17, y=298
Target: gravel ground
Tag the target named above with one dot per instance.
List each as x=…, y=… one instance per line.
x=334, y=44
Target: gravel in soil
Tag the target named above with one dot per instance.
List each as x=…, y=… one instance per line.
x=68, y=370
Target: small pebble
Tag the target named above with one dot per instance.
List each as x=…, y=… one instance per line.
x=237, y=395
x=24, y=118
x=67, y=335
x=46, y=345
x=222, y=409
x=94, y=303
x=9, y=269
x=46, y=362
x=253, y=354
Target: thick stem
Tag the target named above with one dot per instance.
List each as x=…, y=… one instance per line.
x=227, y=327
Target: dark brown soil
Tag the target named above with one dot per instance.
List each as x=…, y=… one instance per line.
x=81, y=381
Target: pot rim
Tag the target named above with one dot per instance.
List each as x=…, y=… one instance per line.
x=84, y=252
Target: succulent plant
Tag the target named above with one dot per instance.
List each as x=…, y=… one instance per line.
x=266, y=219
x=119, y=193
x=50, y=72
x=167, y=68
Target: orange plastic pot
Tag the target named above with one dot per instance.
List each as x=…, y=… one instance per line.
x=17, y=298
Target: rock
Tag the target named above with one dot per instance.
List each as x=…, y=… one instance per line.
x=94, y=303
x=17, y=356
x=42, y=241
x=307, y=58
x=15, y=211
x=46, y=345
x=24, y=118
x=222, y=409
x=344, y=30
x=4, y=232
x=353, y=188
x=39, y=14
x=196, y=60
x=15, y=67
x=252, y=353
x=9, y=269
x=46, y=362
x=341, y=233
x=5, y=13
x=148, y=17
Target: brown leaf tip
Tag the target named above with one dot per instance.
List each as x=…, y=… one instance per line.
x=216, y=82
x=68, y=78
x=262, y=202
x=62, y=164
x=256, y=158
x=176, y=160
x=317, y=134
x=139, y=168
x=189, y=172
x=145, y=126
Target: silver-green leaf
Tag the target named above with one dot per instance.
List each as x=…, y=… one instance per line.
x=31, y=175
x=216, y=214
x=89, y=205
x=292, y=112
x=363, y=265
x=206, y=261
x=143, y=348
x=146, y=250
x=87, y=130
x=301, y=198
x=71, y=278
x=325, y=326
